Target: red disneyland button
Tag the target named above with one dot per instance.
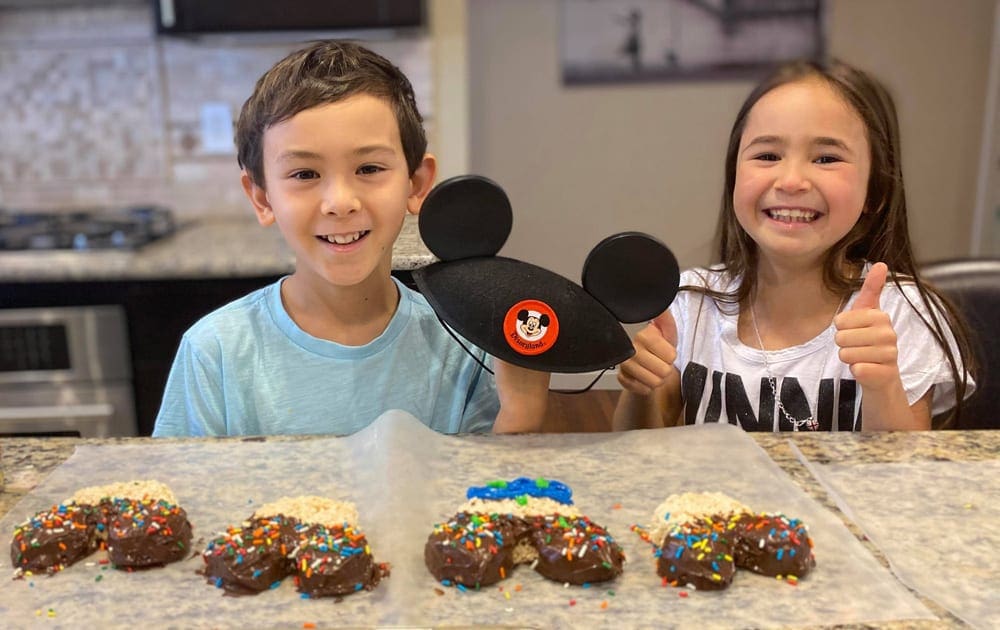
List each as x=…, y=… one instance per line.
x=530, y=327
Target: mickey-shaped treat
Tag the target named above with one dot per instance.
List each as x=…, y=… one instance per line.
x=700, y=539
x=316, y=539
x=524, y=521
x=138, y=522
x=526, y=315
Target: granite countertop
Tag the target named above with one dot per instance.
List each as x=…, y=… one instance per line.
x=207, y=248
x=26, y=462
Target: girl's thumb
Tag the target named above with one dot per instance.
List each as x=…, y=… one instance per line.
x=871, y=290
x=665, y=323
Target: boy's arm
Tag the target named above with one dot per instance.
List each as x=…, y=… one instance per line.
x=524, y=397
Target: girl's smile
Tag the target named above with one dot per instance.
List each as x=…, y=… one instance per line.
x=791, y=215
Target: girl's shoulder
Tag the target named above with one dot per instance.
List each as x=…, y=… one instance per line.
x=907, y=297
x=713, y=278
x=902, y=297
x=705, y=289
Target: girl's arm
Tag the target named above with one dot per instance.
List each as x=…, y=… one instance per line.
x=651, y=395
x=867, y=343
x=661, y=408
x=890, y=411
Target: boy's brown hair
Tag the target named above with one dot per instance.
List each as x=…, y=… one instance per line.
x=325, y=72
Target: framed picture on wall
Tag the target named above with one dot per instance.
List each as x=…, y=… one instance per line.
x=615, y=41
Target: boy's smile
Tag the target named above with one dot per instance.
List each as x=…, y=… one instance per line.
x=338, y=186
x=801, y=172
x=345, y=239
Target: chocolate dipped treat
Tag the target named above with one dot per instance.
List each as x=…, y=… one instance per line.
x=473, y=548
x=773, y=544
x=699, y=554
x=147, y=532
x=575, y=550
x=252, y=557
x=700, y=539
x=52, y=540
x=140, y=520
x=525, y=521
x=313, y=538
x=336, y=561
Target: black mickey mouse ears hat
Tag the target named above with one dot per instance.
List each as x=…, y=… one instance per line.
x=527, y=315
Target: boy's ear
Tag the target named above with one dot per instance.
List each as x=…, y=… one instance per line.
x=421, y=183
x=258, y=197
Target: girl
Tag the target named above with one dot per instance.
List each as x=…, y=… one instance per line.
x=796, y=327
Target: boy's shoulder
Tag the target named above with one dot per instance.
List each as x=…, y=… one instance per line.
x=418, y=303
x=415, y=310
x=434, y=336
x=240, y=314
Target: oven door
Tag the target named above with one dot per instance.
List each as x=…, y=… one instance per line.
x=65, y=371
x=98, y=411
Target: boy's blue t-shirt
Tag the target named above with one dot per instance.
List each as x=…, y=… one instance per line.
x=248, y=369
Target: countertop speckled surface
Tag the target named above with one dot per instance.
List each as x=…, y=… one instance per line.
x=27, y=462
x=209, y=248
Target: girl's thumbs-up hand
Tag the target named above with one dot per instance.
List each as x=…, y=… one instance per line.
x=866, y=337
x=655, y=352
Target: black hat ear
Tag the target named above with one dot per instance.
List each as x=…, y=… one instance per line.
x=467, y=216
x=633, y=275
x=483, y=297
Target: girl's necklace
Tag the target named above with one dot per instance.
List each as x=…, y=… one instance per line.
x=809, y=423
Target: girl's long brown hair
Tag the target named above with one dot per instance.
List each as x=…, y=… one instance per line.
x=881, y=233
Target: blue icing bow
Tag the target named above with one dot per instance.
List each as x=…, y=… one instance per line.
x=522, y=486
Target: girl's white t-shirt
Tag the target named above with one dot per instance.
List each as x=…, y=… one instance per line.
x=723, y=380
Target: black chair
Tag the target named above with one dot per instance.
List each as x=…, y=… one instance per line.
x=973, y=284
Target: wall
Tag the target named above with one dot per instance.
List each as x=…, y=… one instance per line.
x=580, y=163
x=97, y=110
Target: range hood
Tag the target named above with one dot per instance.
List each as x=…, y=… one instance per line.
x=229, y=16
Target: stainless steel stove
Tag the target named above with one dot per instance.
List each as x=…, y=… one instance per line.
x=96, y=228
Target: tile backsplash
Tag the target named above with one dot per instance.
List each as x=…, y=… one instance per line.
x=96, y=109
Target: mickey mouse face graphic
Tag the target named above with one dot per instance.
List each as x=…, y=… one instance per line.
x=532, y=324
x=526, y=315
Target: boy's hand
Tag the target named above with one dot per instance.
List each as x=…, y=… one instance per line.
x=866, y=337
x=524, y=397
x=653, y=362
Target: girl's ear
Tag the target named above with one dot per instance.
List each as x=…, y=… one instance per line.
x=421, y=183
x=258, y=197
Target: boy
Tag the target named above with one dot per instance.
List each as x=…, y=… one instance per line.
x=332, y=150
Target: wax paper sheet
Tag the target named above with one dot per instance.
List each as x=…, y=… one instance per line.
x=404, y=478
x=936, y=522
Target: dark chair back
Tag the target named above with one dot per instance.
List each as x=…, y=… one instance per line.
x=973, y=284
